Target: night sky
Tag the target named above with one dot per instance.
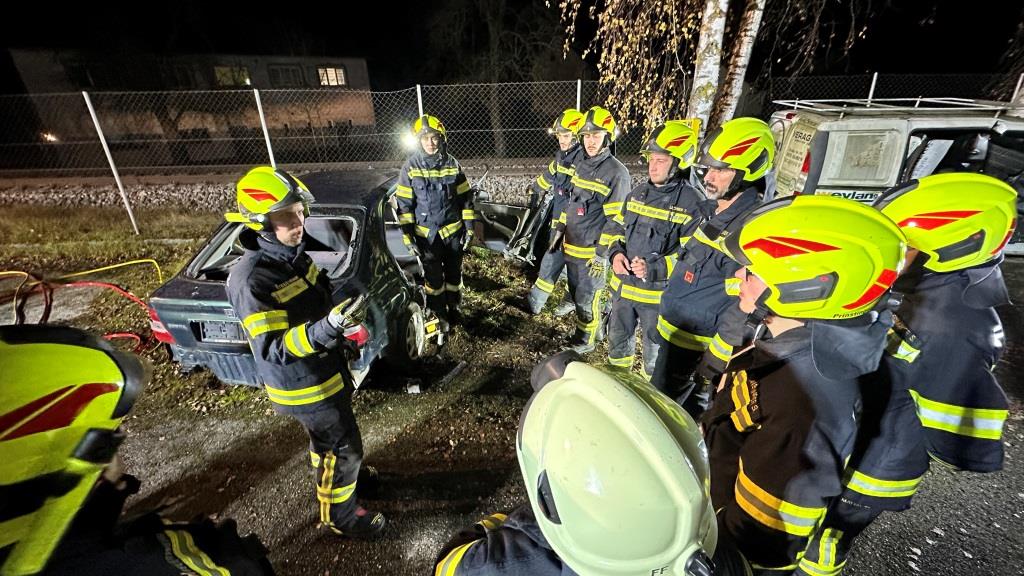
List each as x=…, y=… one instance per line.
x=906, y=36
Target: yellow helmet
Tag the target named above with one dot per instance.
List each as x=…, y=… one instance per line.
x=428, y=123
x=263, y=190
x=743, y=144
x=569, y=120
x=677, y=138
x=822, y=257
x=617, y=475
x=958, y=219
x=63, y=393
x=597, y=119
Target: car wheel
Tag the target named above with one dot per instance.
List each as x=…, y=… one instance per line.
x=409, y=340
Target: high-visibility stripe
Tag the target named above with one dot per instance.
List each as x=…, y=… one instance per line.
x=544, y=286
x=683, y=240
x=624, y=362
x=670, y=264
x=592, y=185
x=327, y=484
x=454, y=288
x=612, y=209
x=732, y=286
x=406, y=218
x=429, y=173
x=448, y=566
x=567, y=170
x=826, y=564
x=871, y=486
x=469, y=215
x=431, y=291
x=462, y=187
x=590, y=328
x=289, y=290
x=614, y=283
x=543, y=183
x=262, y=322
x=296, y=341
x=775, y=512
x=184, y=548
x=701, y=237
x=586, y=253
x=450, y=229
x=983, y=423
x=720, y=348
x=672, y=216
x=642, y=295
x=561, y=218
x=307, y=395
x=312, y=274
x=493, y=521
x=403, y=192
x=741, y=418
x=314, y=459
x=899, y=348
x=335, y=495
x=681, y=338
x=607, y=239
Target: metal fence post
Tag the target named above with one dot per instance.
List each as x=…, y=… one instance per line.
x=110, y=160
x=579, y=92
x=1016, y=91
x=419, y=98
x=871, y=92
x=263, y=122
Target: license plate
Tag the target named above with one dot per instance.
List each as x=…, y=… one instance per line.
x=221, y=332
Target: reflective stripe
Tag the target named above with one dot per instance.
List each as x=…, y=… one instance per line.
x=641, y=295
x=567, y=170
x=612, y=209
x=741, y=418
x=407, y=218
x=871, y=486
x=699, y=236
x=983, y=423
x=335, y=495
x=462, y=187
x=493, y=521
x=403, y=192
x=314, y=459
x=586, y=253
x=683, y=240
x=184, y=548
x=681, y=338
x=613, y=283
x=262, y=322
x=544, y=286
x=774, y=512
x=670, y=264
x=543, y=183
x=289, y=290
x=592, y=185
x=732, y=286
x=899, y=348
x=827, y=555
x=306, y=395
x=447, y=566
x=625, y=362
x=468, y=215
x=672, y=216
x=327, y=484
x=407, y=240
x=431, y=291
x=450, y=229
x=720, y=348
x=455, y=288
x=561, y=218
x=429, y=173
x=607, y=239
x=296, y=340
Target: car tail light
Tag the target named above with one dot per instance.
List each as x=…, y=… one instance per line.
x=801, y=180
x=358, y=334
x=159, y=330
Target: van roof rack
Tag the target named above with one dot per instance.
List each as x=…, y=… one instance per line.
x=843, y=106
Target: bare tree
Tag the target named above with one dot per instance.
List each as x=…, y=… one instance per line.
x=739, y=58
x=707, y=69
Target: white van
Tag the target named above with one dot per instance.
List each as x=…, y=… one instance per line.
x=859, y=148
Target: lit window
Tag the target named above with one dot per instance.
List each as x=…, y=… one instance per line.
x=332, y=76
x=231, y=76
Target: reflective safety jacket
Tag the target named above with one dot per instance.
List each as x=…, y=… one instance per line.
x=557, y=179
x=282, y=300
x=434, y=196
x=778, y=434
x=942, y=353
x=656, y=220
x=703, y=283
x=597, y=191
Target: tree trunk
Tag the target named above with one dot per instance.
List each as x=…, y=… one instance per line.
x=729, y=95
x=709, y=59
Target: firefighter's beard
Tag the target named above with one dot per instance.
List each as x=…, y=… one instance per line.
x=290, y=238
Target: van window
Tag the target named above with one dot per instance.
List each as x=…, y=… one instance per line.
x=862, y=159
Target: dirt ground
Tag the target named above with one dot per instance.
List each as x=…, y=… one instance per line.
x=446, y=455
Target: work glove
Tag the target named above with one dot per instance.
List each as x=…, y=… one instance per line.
x=597, y=266
x=349, y=313
x=556, y=240
x=467, y=239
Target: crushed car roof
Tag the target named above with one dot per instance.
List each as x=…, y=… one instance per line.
x=353, y=187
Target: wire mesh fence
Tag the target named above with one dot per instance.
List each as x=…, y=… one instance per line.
x=225, y=129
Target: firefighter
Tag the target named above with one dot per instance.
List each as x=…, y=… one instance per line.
x=63, y=394
x=296, y=333
x=657, y=215
x=934, y=395
x=596, y=193
x=617, y=479
x=815, y=274
x=435, y=210
x=735, y=159
x=555, y=184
